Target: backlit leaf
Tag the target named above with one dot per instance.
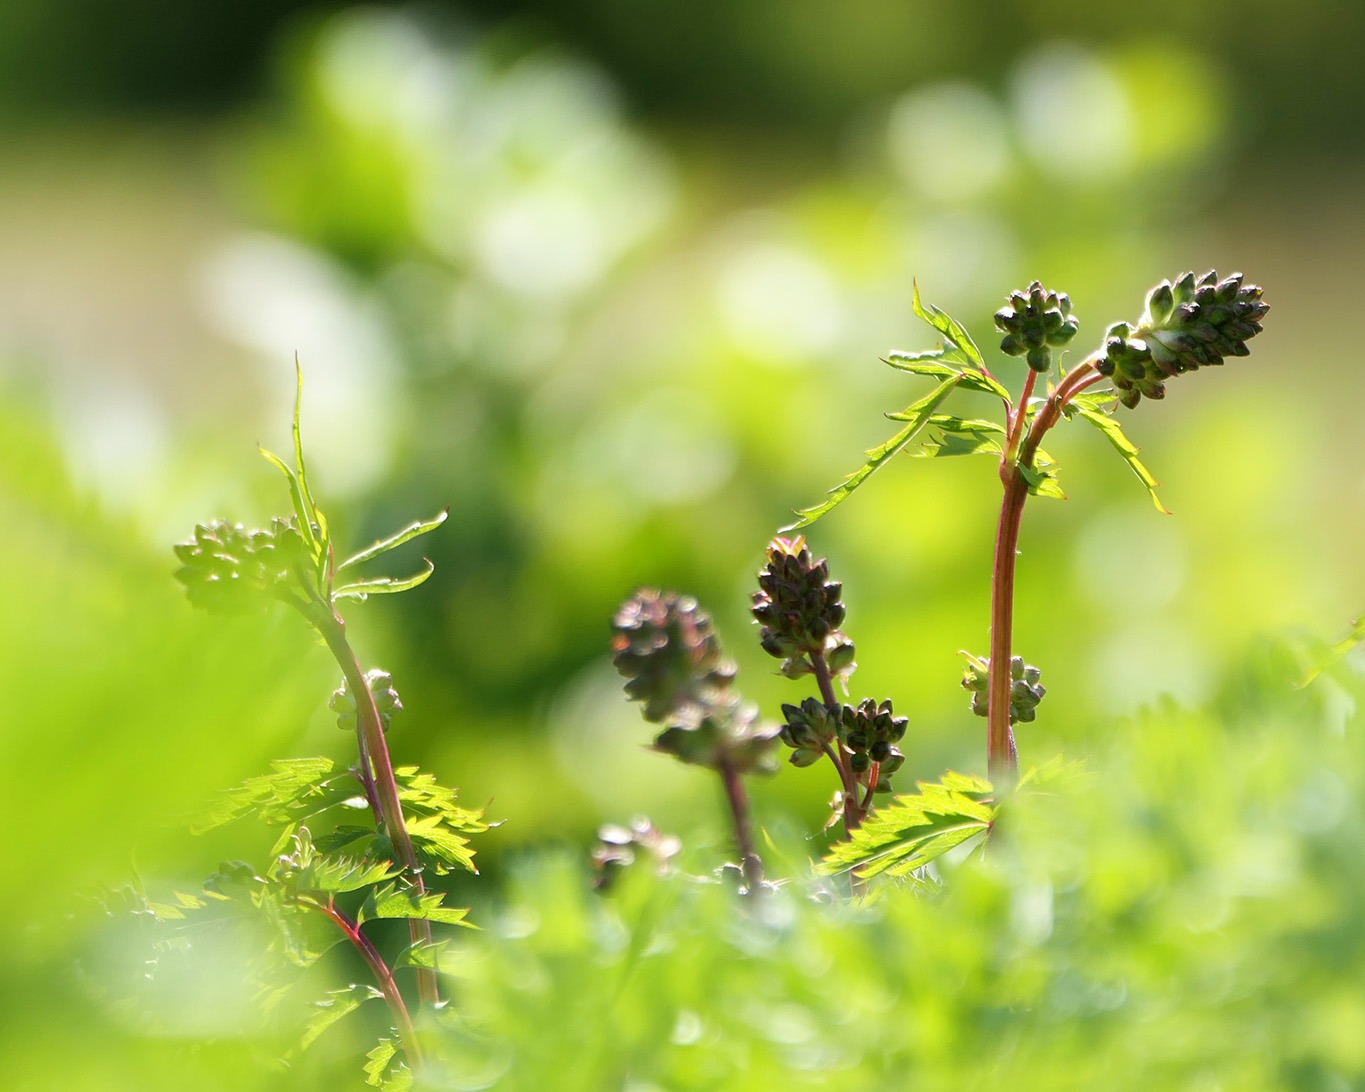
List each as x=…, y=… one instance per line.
x=915, y=829
x=916, y=417
x=1090, y=410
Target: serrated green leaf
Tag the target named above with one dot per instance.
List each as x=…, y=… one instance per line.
x=390, y=901
x=298, y=787
x=383, y=1070
x=407, y=534
x=422, y=954
x=960, y=436
x=1113, y=432
x=339, y=1003
x=334, y=875
x=916, y=417
x=422, y=793
x=950, y=328
x=915, y=829
x=384, y=585
x=1042, y=477
x=443, y=848
x=942, y=363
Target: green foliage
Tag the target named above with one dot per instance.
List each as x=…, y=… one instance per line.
x=1097, y=410
x=915, y=829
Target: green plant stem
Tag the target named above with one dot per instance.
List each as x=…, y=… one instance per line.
x=750, y=862
x=853, y=816
x=1002, y=756
x=332, y=628
x=368, y=952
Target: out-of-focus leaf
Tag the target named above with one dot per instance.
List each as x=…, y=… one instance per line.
x=383, y=1070
x=407, y=534
x=384, y=585
x=913, y=830
x=339, y=1003
x=298, y=787
x=421, y=954
x=916, y=417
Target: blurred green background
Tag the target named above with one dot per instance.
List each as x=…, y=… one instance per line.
x=611, y=281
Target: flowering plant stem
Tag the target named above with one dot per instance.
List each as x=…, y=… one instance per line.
x=749, y=861
x=1020, y=452
x=853, y=812
x=383, y=975
x=376, y=772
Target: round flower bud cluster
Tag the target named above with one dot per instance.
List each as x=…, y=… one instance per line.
x=799, y=611
x=1025, y=689
x=866, y=733
x=227, y=569
x=669, y=652
x=870, y=733
x=1187, y=324
x=667, y=648
x=619, y=847
x=386, y=700
x=1036, y=322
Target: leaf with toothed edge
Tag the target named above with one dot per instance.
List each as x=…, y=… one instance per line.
x=1095, y=409
x=916, y=417
x=916, y=828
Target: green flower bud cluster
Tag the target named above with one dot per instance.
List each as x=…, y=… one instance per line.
x=667, y=649
x=227, y=569
x=1036, y=322
x=799, y=610
x=870, y=733
x=1186, y=325
x=867, y=733
x=386, y=700
x=808, y=730
x=1025, y=689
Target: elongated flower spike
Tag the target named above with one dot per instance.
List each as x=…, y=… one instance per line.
x=1186, y=325
x=799, y=610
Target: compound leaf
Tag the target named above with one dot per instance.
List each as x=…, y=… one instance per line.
x=916, y=417
x=917, y=828
x=339, y=1003
x=391, y=902
x=298, y=787
x=950, y=328
x=1092, y=409
x=960, y=436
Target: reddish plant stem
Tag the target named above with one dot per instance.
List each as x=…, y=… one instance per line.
x=1002, y=756
x=749, y=861
x=368, y=952
x=332, y=628
x=853, y=815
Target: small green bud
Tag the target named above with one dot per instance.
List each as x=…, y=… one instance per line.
x=1036, y=322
